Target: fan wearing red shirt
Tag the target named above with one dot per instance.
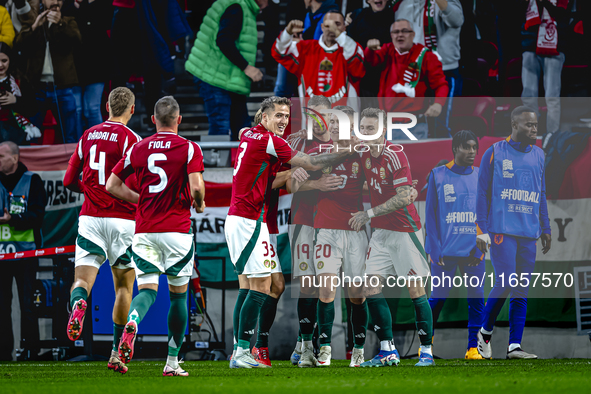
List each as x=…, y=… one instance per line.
x=169, y=173
x=106, y=224
x=396, y=245
x=246, y=231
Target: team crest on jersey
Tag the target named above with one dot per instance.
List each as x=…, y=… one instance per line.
x=327, y=170
x=499, y=239
x=368, y=163
x=303, y=266
x=325, y=75
x=267, y=264
x=273, y=264
x=320, y=265
x=382, y=173
x=355, y=167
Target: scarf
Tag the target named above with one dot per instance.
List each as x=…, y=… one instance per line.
x=547, y=44
x=412, y=74
x=429, y=25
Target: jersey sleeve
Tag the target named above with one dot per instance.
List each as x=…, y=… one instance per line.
x=279, y=148
x=400, y=169
x=194, y=159
x=485, y=174
x=432, y=243
x=123, y=168
x=75, y=168
x=287, y=52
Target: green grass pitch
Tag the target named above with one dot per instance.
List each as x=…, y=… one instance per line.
x=448, y=376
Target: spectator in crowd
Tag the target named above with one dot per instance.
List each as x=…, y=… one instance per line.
x=23, y=208
x=543, y=36
x=441, y=22
x=48, y=47
x=13, y=125
x=22, y=11
x=287, y=83
x=222, y=61
x=6, y=27
x=410, y=71
x=364, y=24
x=94, y=19
x=330, y=66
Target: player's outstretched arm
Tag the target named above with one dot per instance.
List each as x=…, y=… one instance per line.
x=116, y=187
x=72, y=179
x=197, y=187
x=401, y=199
x=318, y=162
x=326, y=183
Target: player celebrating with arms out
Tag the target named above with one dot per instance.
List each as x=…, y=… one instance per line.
x=396, y=245
x=106, y=224
x=511, y=214
x=246, y=233
x=169, y=173
x=451, y=231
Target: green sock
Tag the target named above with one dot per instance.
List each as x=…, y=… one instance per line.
x=380, y=316
x=359, y=320
x=117, y=331
x=242, y=293
x=177, y=322
x=79, y=293
x=249, y=315
x=424, y=319
x=307, y=309
x=140, y=305
x=325, y=322
x=266, y=319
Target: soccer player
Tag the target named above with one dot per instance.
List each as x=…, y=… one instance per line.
x=106, y=224
x=246, y=232
x=169, y=173
x=511, y=214
x=338, y=248
x=451, y=232
x=396, y=245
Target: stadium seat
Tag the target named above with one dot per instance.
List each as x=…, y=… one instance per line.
x=475, y=114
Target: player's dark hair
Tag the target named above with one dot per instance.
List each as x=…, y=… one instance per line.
x=520, y=110
x=14, y=149
x=317, y=101
x=461, y=138
x=346, y=109
x=373, y=113
x=333, y=12
x=269, y=103
x=166, y=111
x=120, y=100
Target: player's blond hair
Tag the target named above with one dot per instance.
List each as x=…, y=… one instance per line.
x=120, y=100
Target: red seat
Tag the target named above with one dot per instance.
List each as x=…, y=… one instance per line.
x=475, y=114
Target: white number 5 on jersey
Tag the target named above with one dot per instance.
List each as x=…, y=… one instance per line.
x=154, y=169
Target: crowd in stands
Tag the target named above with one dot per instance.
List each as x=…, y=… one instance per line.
x=409, y=55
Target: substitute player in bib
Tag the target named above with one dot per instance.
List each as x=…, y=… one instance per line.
x=337, y=248
x=451, y=232
x=106, y=224
x=169, y=173
x=246, y=232
x=396, y=245
x=511, y=214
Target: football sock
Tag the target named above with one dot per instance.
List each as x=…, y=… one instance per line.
x=307, y=309
x=325, y=322
x=359, y=320
x=380, y=316
x=177, y=323
x=242, y=293
x=426, y=349
x=140, y=305
x=387, y=346
x=172, y=362
x=266, y=319
x=298, y=347
x=249, y=315
x=117, y=331
x=79, y=293
x=514, y=346
x=424, y=319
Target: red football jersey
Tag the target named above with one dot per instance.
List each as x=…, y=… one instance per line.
x=162, y=164
x=99, y=149
x=272, y=201
x=303, y=204
x=384, y=174
x=334, y=208
x=259, y=151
